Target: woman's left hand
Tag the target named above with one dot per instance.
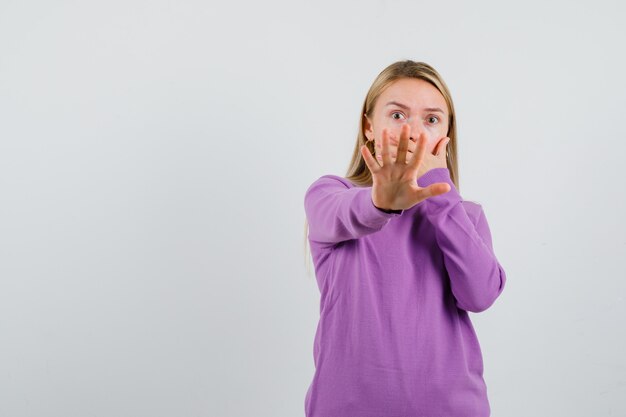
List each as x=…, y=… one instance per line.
x=434, y=160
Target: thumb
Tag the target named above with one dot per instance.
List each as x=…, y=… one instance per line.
x=442, y=145
x=432, y=190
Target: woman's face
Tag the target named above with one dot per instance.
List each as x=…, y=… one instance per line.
x=413, y=101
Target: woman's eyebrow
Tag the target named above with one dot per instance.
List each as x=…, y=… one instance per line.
x=395, y=103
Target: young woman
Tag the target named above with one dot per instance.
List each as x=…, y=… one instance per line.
x=400, y=259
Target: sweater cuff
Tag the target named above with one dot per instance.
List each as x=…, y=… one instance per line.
x=436, y=175
x=391, y=211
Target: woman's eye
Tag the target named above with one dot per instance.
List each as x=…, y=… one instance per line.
x=394, y=113
x=433, y=117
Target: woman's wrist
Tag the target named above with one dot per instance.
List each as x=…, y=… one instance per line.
x=388, y=210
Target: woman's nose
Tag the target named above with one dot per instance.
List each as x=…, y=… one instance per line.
x=416, y=129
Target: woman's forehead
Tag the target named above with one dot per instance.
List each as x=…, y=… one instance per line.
x=414, y=93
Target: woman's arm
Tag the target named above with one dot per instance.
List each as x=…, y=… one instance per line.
x=476, y=276
x=335, y=212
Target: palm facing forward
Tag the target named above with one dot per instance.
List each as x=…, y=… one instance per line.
x=395, y=181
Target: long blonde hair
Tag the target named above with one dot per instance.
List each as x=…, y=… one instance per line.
x=358, y=173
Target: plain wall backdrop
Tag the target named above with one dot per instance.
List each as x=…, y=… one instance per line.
x=154, y=157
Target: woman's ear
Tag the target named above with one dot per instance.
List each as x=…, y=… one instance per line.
x=367, y=127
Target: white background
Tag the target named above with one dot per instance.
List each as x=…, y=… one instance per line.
x=153, y=161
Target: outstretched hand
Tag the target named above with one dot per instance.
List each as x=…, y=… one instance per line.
x=395, y=181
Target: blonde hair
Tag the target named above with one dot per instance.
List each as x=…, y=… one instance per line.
x=358, y=173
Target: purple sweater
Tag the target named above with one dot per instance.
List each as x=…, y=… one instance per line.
x=394, y=338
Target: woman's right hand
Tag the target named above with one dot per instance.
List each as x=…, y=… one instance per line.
x=395, y=181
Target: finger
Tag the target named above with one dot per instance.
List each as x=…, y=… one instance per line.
x=371, y=163
x=403, y=145
x=386, y=151
x=420, y=151
x=438, y=188
x=379, y=147
x=441, y=146
x=432, y=190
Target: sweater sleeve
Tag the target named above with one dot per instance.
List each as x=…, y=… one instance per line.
x=336, y=212
x=476, y=276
